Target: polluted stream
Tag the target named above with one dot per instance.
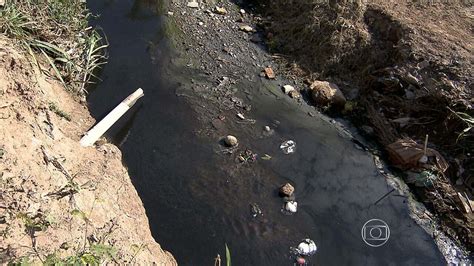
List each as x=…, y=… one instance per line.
x=198, y=199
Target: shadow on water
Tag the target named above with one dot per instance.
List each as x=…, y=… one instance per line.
x=195, y=204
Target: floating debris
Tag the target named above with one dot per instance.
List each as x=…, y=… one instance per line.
x=247, y=156
x=255, y=210
x=300, y=260
x=288, y=146
x=291, y=206
x=307, y=247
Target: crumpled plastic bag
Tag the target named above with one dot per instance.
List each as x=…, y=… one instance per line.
x=288, y=146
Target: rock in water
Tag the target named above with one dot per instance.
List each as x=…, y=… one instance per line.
x=288, y=88
x=231, y=141
x=325, y=93
x=287, y=190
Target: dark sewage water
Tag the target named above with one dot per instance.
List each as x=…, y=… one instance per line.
x=196, y=205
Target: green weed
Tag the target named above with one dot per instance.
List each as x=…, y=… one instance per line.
x=227, y=256
x=468, y=120
x=58, y=30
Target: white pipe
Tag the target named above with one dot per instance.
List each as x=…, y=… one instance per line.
x=100, y=128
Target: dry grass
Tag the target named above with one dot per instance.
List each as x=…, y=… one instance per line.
x=327, y=31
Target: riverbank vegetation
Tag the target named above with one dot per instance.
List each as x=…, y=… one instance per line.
x=56, y=31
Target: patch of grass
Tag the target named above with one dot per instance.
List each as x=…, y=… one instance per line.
x=94, y=58
x=14, y=23
x=59, y=31
x=22, y=261
x=95, y=255
x=55, y=109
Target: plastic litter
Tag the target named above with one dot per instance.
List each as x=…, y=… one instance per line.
x=307, y=247
x=425, y=179
x=255, y=210
x=288, y=146
x=300, y=260
x=247, y=156
x=291, y=206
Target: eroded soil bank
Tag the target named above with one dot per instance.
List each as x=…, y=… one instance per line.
x=60, y=203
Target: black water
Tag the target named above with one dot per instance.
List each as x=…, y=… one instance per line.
x=196, y=204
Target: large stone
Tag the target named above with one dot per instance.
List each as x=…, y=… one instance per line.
x=231, y=141
x=325, y=93
x=287, y=190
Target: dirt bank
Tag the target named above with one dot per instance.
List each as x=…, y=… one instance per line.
x=60, y=202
